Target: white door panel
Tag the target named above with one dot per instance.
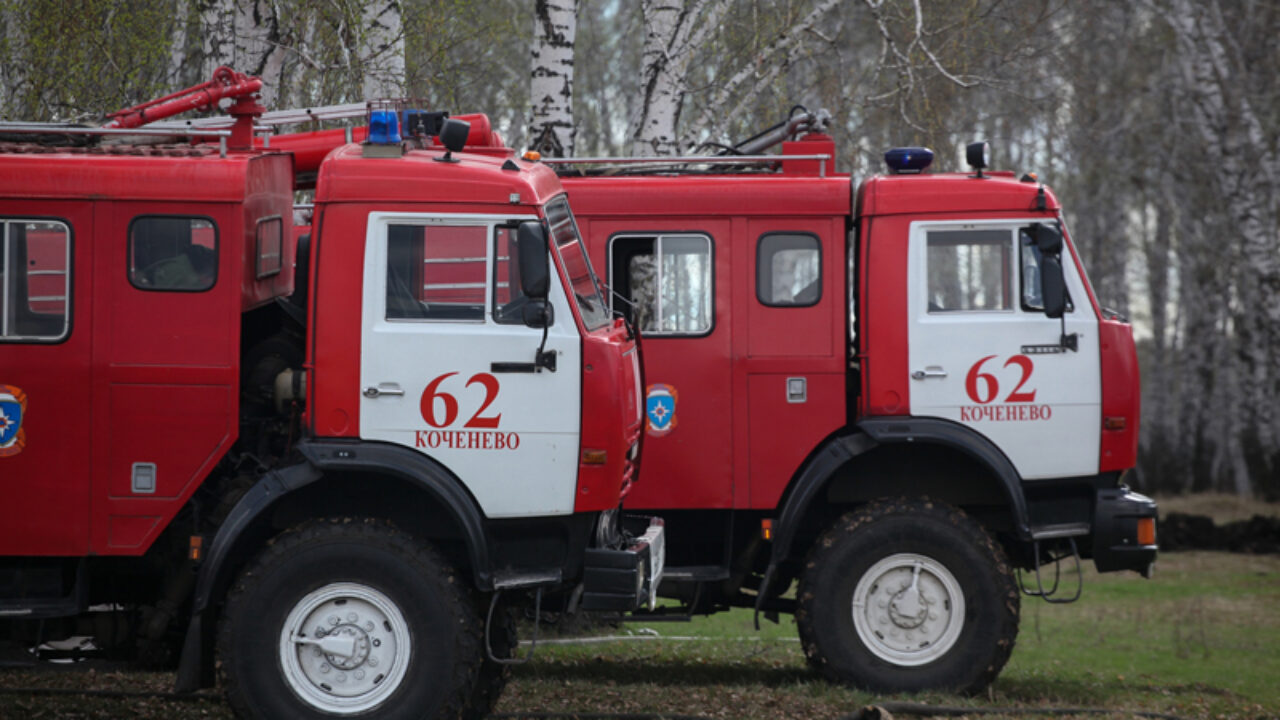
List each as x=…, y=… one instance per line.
x=511, y=438
x=969, y=351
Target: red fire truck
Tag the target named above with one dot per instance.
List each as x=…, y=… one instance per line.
x=335, y=455
x=894, y=393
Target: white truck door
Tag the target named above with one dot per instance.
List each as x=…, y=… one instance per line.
x=441, y=372
x=982, y=353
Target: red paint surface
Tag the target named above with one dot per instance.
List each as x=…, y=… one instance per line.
x=721, y=452
x=145, y=376
x=46, y=497
x=1121, y=394
x=608, y=403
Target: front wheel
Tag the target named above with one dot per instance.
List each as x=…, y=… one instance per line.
x=903, y=596
x=348, y=618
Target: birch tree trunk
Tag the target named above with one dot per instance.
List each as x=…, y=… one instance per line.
x=13, y=61
x=1220, y=112
x=731, y=98
x=180, y=72
x=382, y=51
x=218, y=33
x=244, y=35
x=674, y=29
x=551, y=127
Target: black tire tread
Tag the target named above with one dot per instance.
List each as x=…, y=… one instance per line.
x=377, y=534
x=998, y=567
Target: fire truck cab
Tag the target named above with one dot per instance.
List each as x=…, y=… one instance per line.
x=892, y=392
x=338, y=455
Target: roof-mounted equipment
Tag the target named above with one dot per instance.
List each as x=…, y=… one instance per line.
x=979, y=156
x=799, y=123
x=453, y=135
x=908, y=160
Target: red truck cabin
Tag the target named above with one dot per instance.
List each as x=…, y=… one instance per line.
x=449, y=230
x=783, y=310
x=122, y=307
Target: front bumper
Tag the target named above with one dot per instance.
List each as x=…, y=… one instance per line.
x=623, y=580
x=1119, y=518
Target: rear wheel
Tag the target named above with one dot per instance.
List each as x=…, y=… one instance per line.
x=903, y=596
x=348, y=618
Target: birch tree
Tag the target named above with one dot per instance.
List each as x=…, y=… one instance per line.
x=382, y=50
x=674, y=30
x=245, y=36
x=551, y=127
x=12, y=55
x=1215, y=77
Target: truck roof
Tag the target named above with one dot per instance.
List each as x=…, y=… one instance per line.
x=950, y=192
x=475, y=178
x=706, y=194
x=763, y=194
x=125, y=172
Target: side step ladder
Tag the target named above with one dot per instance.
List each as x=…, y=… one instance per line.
x=1064, y=537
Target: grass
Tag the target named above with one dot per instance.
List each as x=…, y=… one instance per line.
x=1200, y=640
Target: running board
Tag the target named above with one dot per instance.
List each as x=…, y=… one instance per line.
x=1061, y=530
x=37, y=588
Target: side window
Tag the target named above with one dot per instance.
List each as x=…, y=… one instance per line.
x=789, y=270
x=35, y=280
x=509, y=299
x=1029, y=267
x=436, y=272
x=270, y=246
x=664, y=282
x=969, y=270
x=173, y=253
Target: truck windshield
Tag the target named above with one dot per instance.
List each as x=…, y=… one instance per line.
x=586, y=288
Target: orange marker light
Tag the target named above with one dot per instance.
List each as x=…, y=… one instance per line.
x=766, y=528
x=1114, y=422
x=197, y=548
x=1146, y=531
x=595, y=457
x=532, y=156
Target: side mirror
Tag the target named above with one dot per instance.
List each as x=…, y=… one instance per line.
x=538, y=314
x=535, y=268
x=1048, y=239
x=1053, y=287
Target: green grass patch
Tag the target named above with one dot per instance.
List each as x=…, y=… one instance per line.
x=1200, y=640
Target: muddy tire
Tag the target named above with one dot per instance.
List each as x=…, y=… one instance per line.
x=346, y=618
x=908, y=595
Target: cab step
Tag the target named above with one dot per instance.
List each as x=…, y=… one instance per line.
x=34, y=588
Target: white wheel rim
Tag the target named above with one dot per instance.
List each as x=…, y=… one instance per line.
x=908, y=609
x=345, y=648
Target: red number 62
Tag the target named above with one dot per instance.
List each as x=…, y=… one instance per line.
x=990, y=386
x=433, y=393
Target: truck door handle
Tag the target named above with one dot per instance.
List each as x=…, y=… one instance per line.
x=383, y=389
x=929, y=372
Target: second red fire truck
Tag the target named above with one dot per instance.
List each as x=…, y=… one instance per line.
x=869, y=403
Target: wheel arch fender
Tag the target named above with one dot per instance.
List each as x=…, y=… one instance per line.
x=953, y=435
x=822, y=465
x=321, y=458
